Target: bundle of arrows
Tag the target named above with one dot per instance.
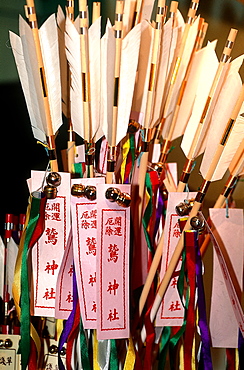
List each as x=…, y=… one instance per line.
x=117, y=264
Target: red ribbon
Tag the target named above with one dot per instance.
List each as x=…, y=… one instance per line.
x=190, y=317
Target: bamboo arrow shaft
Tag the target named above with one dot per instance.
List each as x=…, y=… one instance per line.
x=111, y=159
x=31, y=14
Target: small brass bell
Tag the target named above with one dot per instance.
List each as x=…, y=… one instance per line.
x=63, y=351
x=50, y=191
x=53, y=349
x=124, y=200
x=184, y=208
x=133, y=126
x=78, y=190
x=53, y=179
x=112, y=194
x=8, y=343
x=91, y=192
x=197, y=223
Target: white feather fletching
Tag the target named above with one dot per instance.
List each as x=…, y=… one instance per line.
x=29, y=93
x=142, y=81
x=72, y=43
x=169, y=45
x=63, y=61
x=107, y=80
x=147, y=9
x=222, y=112
x=33, y=74
x=128, y=15
x=48, y=35
x=190, y=41
x=189, y=95
x=205, y=80
x=236, y=166
x=94, y=38
x=129, y=62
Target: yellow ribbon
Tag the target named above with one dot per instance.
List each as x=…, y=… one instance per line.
x=125, y=151
x=181, y=356
x=59, y=327
x=95, y=351
x=130, y=356
x=17, y=284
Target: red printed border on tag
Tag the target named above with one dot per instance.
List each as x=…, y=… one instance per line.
x=38, y=256
x=104, y=253
x=80, y=258
x=174, y=279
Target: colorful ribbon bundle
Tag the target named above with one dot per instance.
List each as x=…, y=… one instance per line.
x=110, y=271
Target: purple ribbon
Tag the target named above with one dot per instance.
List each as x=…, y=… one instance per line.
x=159, y=212
x=205, y=356
x=69, y=323
x=241, y=350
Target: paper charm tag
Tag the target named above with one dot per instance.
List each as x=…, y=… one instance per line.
x=80, y=153
x=2, y=254
x=171, y=311
x=102, y=163
x=64, y=288
x=9, y=357
x=50, y=360
x=12, y=253
x=84, y=227
x=113, y=222
x=222, y=317
x=47, y=253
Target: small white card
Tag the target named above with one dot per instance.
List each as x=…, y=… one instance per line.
x=47, y=253
x=171, y=311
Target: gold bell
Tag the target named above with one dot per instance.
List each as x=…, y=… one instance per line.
x=184, y=208
x=133, y=126
x=50, y=191
x=197, y=223
x=53, y=349
x=91, y=192
x=78, y=190
x=53, y=179
x=124, y=200
x=112, y=194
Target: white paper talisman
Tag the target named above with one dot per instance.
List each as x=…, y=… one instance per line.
x=229, y=234
x=113, y=222
x=171, y=311
x=47, y=253
x=84, y=227
x=64, y=288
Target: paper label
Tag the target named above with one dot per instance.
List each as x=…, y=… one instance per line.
x=84, y=226
x=171, y=311
x=113, y=266
x=47, y=253
x=64, y=288
x=229, y=234
x=102, y=163
x=9, y=359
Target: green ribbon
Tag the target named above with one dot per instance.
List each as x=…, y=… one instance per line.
x=78, y=169
x=113, y=361
x=24, y=346
x=164, y=346
x=180, y=286
x=148, y=212
x=133, y=151
x=84, y=348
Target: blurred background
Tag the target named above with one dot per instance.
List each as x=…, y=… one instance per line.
x=19, y=152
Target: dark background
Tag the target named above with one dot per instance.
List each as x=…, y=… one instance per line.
x=19, y=152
